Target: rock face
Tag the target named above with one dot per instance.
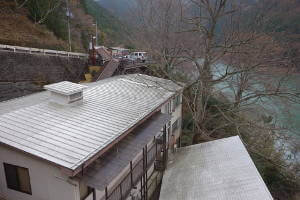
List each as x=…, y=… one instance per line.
x=23, y=73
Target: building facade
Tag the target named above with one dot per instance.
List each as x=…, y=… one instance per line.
x=99, y=141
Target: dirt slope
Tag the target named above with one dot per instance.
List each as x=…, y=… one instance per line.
x=17, y=29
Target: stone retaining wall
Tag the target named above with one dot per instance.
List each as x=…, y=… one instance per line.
x=23, y=73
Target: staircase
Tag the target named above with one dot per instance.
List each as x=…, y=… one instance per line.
x=109, y=69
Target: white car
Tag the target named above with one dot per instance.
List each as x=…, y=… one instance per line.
x=139, y=55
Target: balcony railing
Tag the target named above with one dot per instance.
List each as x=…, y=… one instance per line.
x=138, y=172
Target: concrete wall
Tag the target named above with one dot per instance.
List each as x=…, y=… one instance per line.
x=10, y=90
x=47, y=182
x=23, y=69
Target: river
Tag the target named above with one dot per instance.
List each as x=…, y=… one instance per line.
x=285, y=113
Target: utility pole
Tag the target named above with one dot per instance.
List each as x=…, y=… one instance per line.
x=96, y=33
x=96, y=24
x=69, y=31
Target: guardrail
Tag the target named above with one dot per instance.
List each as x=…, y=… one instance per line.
x=42, y=51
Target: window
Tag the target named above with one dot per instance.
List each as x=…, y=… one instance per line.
x=177, y=101
x=75, y=97
x=168, y=108
x=17, y=178
x=176, y=124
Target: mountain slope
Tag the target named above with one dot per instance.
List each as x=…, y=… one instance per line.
x=120, y=8
x=17, y=29
x=20, y=26
x=282, y=22
x=114, y=29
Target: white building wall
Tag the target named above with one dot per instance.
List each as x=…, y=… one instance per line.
x=47, y=181
x=177, y=114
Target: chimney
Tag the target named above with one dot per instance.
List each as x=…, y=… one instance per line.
x=66, y=93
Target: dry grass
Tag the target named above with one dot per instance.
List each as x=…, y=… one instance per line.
x=17, y=29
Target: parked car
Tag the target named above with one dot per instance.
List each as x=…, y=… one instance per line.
x=139, y=56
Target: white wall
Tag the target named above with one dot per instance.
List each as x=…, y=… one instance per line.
x=47, y=181
x=175, y=115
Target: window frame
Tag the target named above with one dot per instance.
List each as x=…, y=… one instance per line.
x=177, y=100
x=176, y=125
x=18, y=189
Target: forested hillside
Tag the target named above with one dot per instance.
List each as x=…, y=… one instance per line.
x=113, y=29
x=44, y=24
x=282, y=22
x=18, y=29
x=120, y=8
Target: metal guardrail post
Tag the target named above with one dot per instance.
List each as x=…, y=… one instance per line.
x=121, y=191
x=155, y=147
x=142, y=187
x=146, y=174
x=131, y=177
x=165, y=146
x=106, y=193
x=94, y=194
x=143, y=175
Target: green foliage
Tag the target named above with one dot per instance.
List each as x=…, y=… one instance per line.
x=130, y=47
x=50, y=13
x=55, y=23
x=85, y=39
x=278, y=184
x=107, y=22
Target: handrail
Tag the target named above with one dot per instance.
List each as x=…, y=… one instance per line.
x=42, y=51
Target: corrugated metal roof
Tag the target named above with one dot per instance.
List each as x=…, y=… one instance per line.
x=23, y=102
x=217, y=170
x=109, y=69
x=69, y=136
x=65, y=87
x=107, y=167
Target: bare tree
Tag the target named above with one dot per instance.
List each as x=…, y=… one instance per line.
x=230, y=65
x=41, y=9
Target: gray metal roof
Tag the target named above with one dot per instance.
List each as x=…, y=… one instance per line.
x=65, y=87
x=69, y=136
x=217, y=170
x=107, y=167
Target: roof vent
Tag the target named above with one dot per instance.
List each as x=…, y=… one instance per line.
x=66, y=93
